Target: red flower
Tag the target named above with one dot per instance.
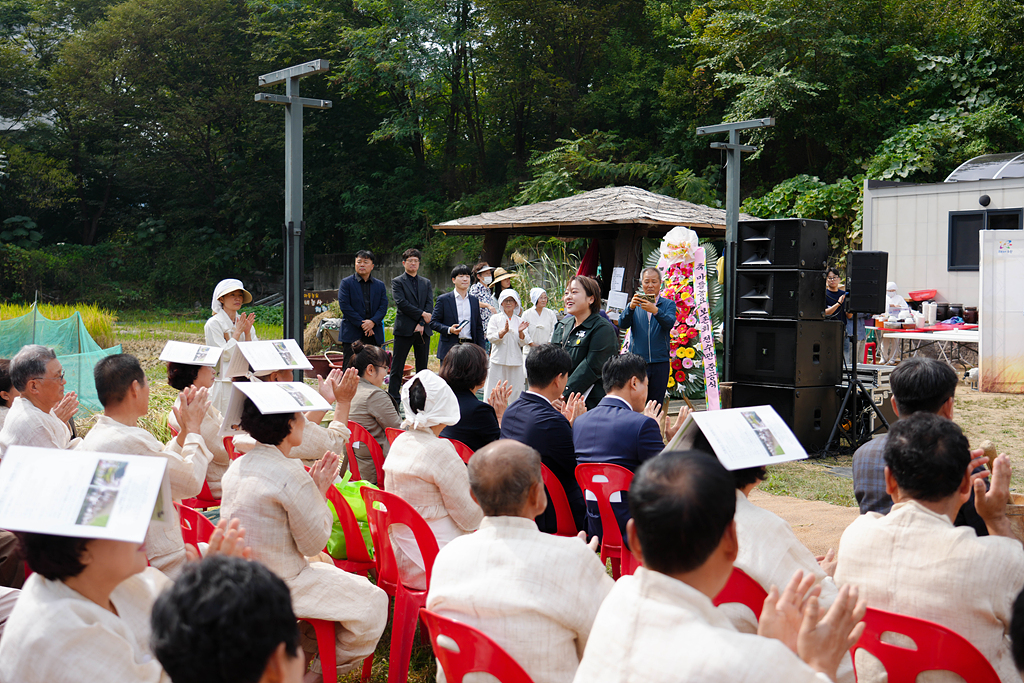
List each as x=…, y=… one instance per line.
x=680, y=376
x=677, y=364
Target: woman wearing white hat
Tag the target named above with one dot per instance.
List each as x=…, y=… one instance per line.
x=541, y=318
x=225, y=328
x=508, y=334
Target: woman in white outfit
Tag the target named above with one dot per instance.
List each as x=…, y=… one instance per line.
x=508, y=334
x=224, y=329
x=426, y=472
x=541, y=318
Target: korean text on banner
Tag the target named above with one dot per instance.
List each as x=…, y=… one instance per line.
x=707, y=330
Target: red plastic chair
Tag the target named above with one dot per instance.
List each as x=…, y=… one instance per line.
x=874, y=352
x=358, y=560
x=391, y=433
x=603, y=480
x=325, y=644
x=383, y=510
x=360, y=435
x=229, y=446
x=462, y=650
x=205, y=499
x=195, y=528
x=565, y=524
x=937, y=649
x=744, y=590
x=629, y=563
x=464, y=451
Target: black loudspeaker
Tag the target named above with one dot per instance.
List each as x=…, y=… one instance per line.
x=796, y=353
x=780, y=294
x=809, y=411
x=782, y=243
x=866, y=273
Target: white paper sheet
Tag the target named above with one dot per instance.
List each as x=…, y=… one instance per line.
x=271, y=398
x=618, y=274
x=82, y=493
x=742, y=437
x=617, y=302
x=190, y=354
x=267, y=356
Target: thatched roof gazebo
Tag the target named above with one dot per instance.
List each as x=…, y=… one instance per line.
x=620, y=217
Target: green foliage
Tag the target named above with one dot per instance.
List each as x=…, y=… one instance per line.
x=267, y=315
x=21, y=231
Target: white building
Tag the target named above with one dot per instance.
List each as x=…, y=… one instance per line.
x=930, y=231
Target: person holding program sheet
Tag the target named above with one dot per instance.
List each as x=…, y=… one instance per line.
x=284, y=509
x=39, y=416
x=123, y=390
x=225, y=328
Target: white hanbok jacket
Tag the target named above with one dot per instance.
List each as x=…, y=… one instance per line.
x=215, y=329
x=57, y=635
x=542, y=325
x=186, y=469
x=507, y=350
x=26, y=425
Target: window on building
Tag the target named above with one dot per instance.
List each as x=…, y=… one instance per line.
x=964, y=227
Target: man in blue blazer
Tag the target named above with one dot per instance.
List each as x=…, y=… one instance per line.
x=533, y=419
x=364, y=303
x=617, y=431
x=456, y=315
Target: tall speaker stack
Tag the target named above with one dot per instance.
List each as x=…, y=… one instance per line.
x=785, y=354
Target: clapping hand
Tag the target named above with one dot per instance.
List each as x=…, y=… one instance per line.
x=523, y=326
x=227, y=539
x=67, y=407
x=653, y=409
x=501, y=335
x=575, y=406
x=243, y=325
x=671, y=430
x=783, y=615
x=324, y=471
x=190, y=411
x=499, y=398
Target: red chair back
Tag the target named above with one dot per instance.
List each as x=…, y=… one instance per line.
x=195, y=528
x=937, y=649
x=360, y=435
x=204, y=500
x=358, y=560
x=603, y=480
x=464, y=451
x=391, y=433
x=565, y=524
x=744, y=590
x=384, y=509
x=229, y=446
x=462, y=650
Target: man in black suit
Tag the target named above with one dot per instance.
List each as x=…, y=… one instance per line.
x=364, y=303
x=457, y=315
x=414, y=298
x=534, y=420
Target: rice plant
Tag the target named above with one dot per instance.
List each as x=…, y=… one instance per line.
x=98, y=321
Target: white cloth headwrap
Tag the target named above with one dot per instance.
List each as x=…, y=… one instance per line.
x=535, y=294
x=441, y=407
x=511, y=293
x=224, y=287
x=890, y=286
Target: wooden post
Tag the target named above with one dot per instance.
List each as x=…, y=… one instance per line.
x=494, y=247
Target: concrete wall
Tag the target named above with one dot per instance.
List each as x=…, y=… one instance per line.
x=911, y=223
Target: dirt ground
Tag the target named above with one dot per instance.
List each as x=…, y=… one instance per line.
x=818, y=525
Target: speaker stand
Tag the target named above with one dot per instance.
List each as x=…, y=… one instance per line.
x=858, y=434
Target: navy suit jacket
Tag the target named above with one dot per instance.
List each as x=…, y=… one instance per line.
x=612, y=432
x=350, y=300
x=532, y=420
x=446, y=314
x=477, y=425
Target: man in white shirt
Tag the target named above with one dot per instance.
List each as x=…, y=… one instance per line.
x=660, y=624
x=913, y=560
x=456, y=315
x=535, y=594
x=39, y=416
x=124, y=392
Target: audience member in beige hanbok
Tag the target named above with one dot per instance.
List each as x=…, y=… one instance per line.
x=181, y=376
x=372, y=408
x=659, y=625
x=39, y=415
x=316, y=439
x=84, y=614
x=124, y=392
x=535, y=594
x=7, y=391
x=285, y=512
x=770, y=553
x=226, y=619
x=225, y=329
x=913, y=561
x=427, y=472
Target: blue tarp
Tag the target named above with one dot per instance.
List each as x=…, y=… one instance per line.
x=70, y=340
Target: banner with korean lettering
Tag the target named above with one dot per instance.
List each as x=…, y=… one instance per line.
x=707, y=330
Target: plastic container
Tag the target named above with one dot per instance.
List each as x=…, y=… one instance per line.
x=923, y=294
x=941, y=311
x=971, y=315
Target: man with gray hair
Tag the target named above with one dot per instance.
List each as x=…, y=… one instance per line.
x=535, y=594
x=38, y=417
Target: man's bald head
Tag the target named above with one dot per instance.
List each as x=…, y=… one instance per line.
x=501, y=475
